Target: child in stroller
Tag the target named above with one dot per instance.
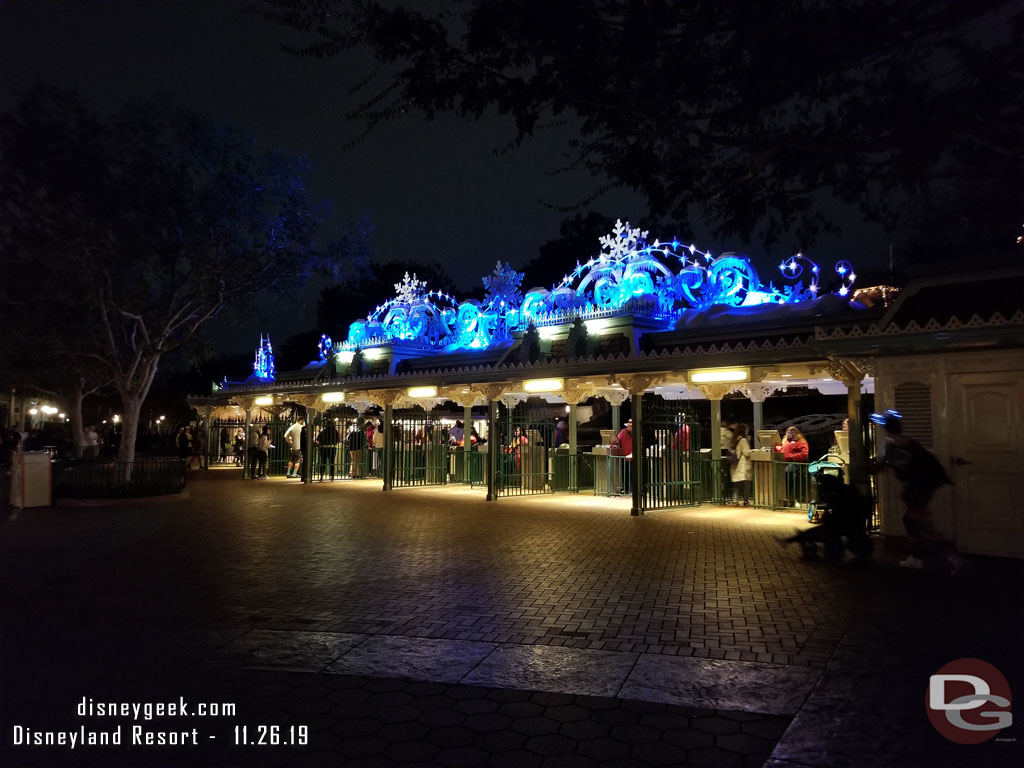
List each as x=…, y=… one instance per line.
x=829, y=465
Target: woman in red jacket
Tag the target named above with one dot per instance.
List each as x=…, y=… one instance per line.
x=795, y=449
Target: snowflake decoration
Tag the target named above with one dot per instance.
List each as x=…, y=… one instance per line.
x=410, y=290
x=503, y=287
x=622, y=241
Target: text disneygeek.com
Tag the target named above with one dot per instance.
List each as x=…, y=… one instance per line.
x=136, y=735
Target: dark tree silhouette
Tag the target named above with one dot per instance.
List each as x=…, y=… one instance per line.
x=757, y=116
x=148, y=222
x=356, y=297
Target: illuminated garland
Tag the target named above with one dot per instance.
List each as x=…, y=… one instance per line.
x=628, y=276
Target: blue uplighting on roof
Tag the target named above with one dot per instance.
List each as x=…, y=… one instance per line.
x=628, y=276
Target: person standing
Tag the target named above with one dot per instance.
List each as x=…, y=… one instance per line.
x=239, y=446
x=795, y=451
x=90, y=442
x=263, y=447
x=921, y=475
x=561, y=433
x=354, y=444
x=199, y=446
x=378, y=449
x=327, y=446
x=624, y=442
x=741, y=469
x=252, y=452
x=293, y=437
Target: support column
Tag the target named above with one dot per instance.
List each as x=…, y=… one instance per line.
x=636, y=385
x=572, y=429
x=387, y=398
x=246, y=473
x=756, y=392
x=387, y=468
x=492, y=394
x=210, y=444
x=573, y=397
x=307, y=448
x=467, y=448
x=714, y=393
x=852, y=373
x=616, y=398
x=637, y=465
x=493, y=449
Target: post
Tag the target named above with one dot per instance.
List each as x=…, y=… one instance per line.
x=246, y=457
x=307, y=448
x=758, y=416
x=637, y=464
x=387, y=468
x=851, y=373
x=467, y=449
x=858, y=450
x=493, y=447
x=616, y=418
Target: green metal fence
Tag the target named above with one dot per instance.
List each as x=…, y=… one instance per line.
x=671, y=453
x=611, y=475
x=86, y=479
x=421, y=450
x=340, y=446
x=220, y=442
x=524, y=437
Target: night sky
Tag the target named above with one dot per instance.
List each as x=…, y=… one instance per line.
x=434, y=190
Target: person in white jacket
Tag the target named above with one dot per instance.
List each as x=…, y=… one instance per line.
x=741, y=470
x=293, y=436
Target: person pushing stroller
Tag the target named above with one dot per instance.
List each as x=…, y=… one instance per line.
x=844, y=523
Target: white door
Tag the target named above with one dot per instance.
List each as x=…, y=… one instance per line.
x=988, y=461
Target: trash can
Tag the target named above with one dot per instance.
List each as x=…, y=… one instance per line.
x=560, y=474
x=32, y=479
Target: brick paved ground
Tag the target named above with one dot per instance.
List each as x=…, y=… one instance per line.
x=662, y=629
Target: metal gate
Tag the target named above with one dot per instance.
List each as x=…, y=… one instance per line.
x=524, y=439
x=420, y=449
x=277, y=457
x=340, y=450
x=671, y=447
x=222, y=443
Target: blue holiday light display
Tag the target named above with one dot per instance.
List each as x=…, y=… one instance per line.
x=263, y=367
x=325, y=347
x=628, y=276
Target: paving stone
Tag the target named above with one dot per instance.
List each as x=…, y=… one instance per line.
x=412, y=658
x=535, y=726
x=604, y=749
x=451, y=737
x=289, y=650
x=502, y=740
x=584, y=730
x=285, y=570
x=714, y=758
x=659, y=753
x=462, y=756
x=720, y=684
x=598, y=673
x=441, y=718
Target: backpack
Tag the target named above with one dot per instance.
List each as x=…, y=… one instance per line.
x=923, y=468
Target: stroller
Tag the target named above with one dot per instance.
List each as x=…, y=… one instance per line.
x=830, y=465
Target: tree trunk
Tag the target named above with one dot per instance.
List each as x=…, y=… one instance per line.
x=75, y=398
x=133, y=394
x=131, y=408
